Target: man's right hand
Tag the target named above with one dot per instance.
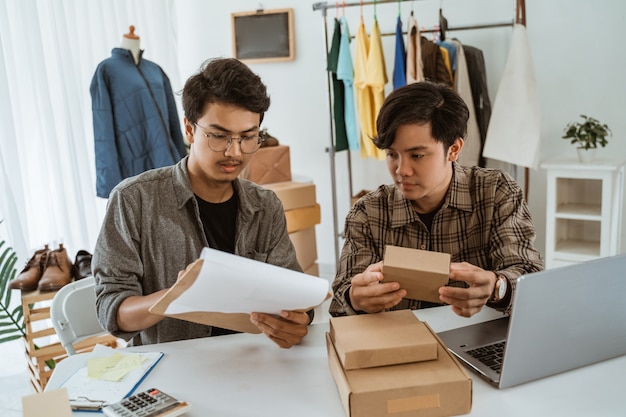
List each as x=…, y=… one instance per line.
x=368, y=293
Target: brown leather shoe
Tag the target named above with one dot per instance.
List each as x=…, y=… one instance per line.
x=28, y=279
x=58, y=270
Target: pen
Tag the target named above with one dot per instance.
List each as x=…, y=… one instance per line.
x=86, y=404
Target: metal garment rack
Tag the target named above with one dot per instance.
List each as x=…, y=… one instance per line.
x=520, y=17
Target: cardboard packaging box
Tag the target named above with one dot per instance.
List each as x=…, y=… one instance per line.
x=303, y=218
x=313, y=270
x=268, y=165
x=388, y=338
x=421, y=273
x=306, y=246
x=436, y=388
x=294, y=195
x=357, y=196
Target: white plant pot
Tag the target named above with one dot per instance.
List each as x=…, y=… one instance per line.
x=586, y=156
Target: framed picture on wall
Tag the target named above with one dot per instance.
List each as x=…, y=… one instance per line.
x=263, y=35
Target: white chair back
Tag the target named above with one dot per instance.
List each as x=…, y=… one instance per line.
x=73, y=313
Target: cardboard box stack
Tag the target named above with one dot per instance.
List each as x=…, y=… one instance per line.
x=271, y=167
x=302, y=213
x=392, y=364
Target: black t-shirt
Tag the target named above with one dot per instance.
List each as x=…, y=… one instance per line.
x=218, y=221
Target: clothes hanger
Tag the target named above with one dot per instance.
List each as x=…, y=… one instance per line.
x=361, y=11
x=443, y=23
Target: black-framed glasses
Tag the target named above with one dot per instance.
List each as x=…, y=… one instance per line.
x=221, y=142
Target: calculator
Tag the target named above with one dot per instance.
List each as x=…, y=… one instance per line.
x=148, y=403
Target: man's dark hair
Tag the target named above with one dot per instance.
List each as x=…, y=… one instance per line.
x=224, y=81
x=421, y=103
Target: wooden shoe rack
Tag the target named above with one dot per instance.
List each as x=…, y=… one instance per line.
x=42, y=347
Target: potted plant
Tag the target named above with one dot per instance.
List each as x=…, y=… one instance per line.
x=588, y=135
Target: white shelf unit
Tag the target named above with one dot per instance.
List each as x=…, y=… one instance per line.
x=583, y=210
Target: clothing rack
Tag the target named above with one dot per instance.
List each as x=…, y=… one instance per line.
x=520, y=17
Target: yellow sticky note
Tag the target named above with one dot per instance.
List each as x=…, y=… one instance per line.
x=113, y=368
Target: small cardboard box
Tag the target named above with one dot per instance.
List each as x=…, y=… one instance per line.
x=268, y=165
x=294, y=195
x=303, y=218
x=421, y=273
x=305, y=243
x=436, y=388
x=380, y=339
x=313, y=270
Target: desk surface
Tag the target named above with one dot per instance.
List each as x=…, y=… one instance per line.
x=245, y=374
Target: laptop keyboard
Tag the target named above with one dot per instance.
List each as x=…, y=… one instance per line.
x=491, y=355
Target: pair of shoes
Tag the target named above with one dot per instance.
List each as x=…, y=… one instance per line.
x=28, y=279
x=57, y=272
x=82, y=265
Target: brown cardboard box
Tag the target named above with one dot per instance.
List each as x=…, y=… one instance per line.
x=380, y=339
x=294, y=195
x=357, y=196
x=436, y=388
x=421, y=273
x=268, y=165
x=306, y=246
x=303, y=218
x=313, y=270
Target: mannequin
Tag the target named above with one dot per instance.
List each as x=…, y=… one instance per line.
x=128, y=94
x=130, y=41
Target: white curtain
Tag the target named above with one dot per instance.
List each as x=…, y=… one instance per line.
x=49, y=51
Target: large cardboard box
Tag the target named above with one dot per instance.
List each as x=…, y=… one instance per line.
x=294, y=195
x=380, y=339
x=421, y=273
x=268, y=165
x=303, y=218
x=436, y=388
x=305, y=244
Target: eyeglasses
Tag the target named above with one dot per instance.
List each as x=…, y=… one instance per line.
x=220, y=142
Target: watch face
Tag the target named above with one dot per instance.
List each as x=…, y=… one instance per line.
x=502, y=288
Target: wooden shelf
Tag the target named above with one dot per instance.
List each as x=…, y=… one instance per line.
x=42, y=349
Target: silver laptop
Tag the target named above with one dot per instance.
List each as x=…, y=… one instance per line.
x=562, y=319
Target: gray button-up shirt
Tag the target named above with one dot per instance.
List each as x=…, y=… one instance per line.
x=152, y=230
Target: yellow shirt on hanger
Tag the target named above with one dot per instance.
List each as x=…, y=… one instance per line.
x=370, y=78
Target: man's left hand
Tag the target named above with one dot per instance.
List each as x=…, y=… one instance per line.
x=285, y=330
x=468, y=301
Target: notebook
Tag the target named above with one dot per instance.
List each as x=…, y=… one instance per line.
x=562, y=319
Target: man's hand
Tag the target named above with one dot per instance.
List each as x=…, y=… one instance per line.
x=368, y=293
x=285, y=330
x=468, y=301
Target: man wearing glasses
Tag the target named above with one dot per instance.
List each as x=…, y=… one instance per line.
x=158, y=222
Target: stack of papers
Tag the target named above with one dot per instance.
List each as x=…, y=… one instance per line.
x=109, y=376
x=221, y=289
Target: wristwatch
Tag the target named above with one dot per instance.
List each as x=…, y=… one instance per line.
x=499, y=291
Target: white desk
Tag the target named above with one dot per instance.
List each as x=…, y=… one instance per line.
x=248, y=375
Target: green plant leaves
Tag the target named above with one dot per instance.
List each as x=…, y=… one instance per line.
x=590, y=133
x=11, y=321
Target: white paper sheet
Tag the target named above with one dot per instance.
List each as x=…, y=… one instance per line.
x=233, y=284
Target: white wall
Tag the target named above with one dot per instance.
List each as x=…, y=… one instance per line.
x=575, y=46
